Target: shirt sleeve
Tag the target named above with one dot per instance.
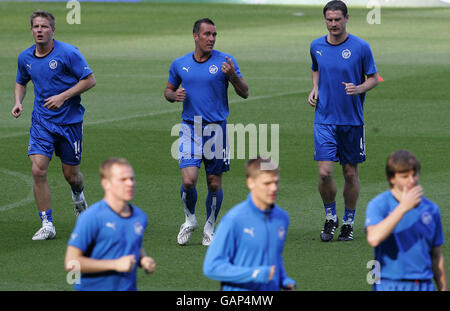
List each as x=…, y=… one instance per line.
x=22, y=76
x=368, y=60
x=174, y=77
x=374, y=212
x=84, y=232
x=438, y=238
x=78, y=65
x=285, y=279
x=314, y=65
x=236, y=66
x=218, y=260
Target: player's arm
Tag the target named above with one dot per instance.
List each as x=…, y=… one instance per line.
x=146, y=262
x=370, y=83
x=56, y=101
x=438, y=266
x=19, y=94
x=91, y=265
x=379, y=232
x=174, y=94
x=314, y=95
x=239, y=84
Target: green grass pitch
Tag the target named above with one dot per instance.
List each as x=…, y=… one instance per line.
x=130, y=48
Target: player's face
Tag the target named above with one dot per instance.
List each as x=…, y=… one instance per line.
x=403, y=180
x=206, y=38
x=264, y=188
x=120, y=183
x=42, y=31
x=336, y=22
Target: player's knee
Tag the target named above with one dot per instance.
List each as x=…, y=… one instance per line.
x=351, y=175
x=325, y=175
x=188, y=183
x=38, y=172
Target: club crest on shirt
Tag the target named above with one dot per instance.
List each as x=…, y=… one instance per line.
x=426, y=218
x=138, y=228
x=53, y=64
x=213, y=69
x=346, y=54
x=281, y=232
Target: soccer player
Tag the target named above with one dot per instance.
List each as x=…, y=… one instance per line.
x=246, y=253
x=59, y=74
x=343, y=70
x=106, y=243
x=200, y=80
x=405, y=230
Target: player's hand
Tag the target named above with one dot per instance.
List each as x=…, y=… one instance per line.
x=17, y=110
x=351, y=89
x=180, y=94
x=313, y=98
x=410, y=198
x=148, y=264
x=289, y=287
x=125, y=263
x=54, y=102
x=228, y=68
x=272, y=272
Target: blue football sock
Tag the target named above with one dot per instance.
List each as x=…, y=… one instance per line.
x=189, y=198
x=330, y=210
x=213, y=202
x=46, y=215
x=349, y=216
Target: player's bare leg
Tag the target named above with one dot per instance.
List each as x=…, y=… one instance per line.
x=189, y=176
x=328, y=191
x=351, y=194
x=75, y=179
x=213, y=204
x=41, y=189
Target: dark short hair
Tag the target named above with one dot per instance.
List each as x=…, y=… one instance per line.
x=336, y=5
x=401, y=161
x=47, y=15
x=254, y=167
x=196, y=28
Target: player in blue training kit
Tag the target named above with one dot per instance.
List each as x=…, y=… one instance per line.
x=107, y=240
x=200, y=80
x=59, y=74
x=405, y=230
x=246, y=253
x=343, y=70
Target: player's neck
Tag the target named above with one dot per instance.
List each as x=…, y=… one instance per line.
x=122, y=208
x=336, y=40
x=201, y=56
x=44, y=49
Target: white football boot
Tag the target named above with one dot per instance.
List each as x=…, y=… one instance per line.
x=79, y=203
x=47, y=232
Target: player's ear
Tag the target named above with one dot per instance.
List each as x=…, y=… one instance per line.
x=105, y=183
x=250, y=183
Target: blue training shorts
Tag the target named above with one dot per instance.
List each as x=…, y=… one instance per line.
x=65, y=140
x=204, y=142
x=345, y=143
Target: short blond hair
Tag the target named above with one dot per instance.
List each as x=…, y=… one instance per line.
x=105, y=167
x=47, y=15
x=254, y=167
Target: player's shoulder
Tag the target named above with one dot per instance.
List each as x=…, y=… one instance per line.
x=139, y=212
x=430, y=204
x=216, y=53
x=188, y=56
x=320, y=40
x=358, y=41
x=380, y=198
x=27, y=52
x=280, y=212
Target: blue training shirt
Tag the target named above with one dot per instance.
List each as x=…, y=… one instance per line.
x=246, y=244
x=348, y=62
x=100, y=233
x=405, y=254
x=53, y=74
x=206, y=86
